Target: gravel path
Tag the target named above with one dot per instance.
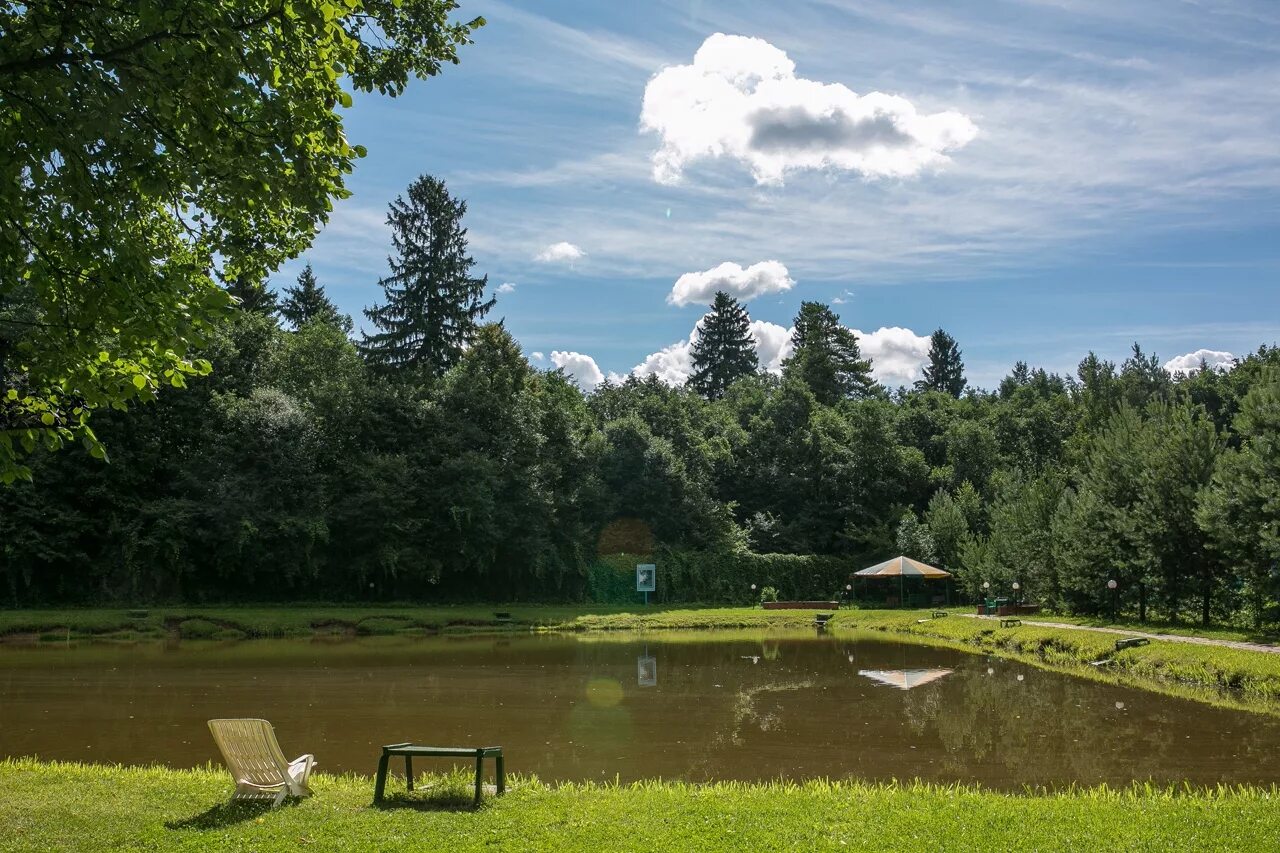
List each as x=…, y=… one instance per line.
x=1171, y=638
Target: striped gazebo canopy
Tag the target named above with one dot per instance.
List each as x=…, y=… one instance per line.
x=902, y=567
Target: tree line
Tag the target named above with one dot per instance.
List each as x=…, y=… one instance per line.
x=427, y=459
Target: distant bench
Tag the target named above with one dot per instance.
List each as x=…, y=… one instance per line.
x=1131, y=642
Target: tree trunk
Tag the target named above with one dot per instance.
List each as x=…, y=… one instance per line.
x=1142, y=602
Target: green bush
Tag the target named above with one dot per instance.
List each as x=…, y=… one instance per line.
x=717, y=577
x=611, y=579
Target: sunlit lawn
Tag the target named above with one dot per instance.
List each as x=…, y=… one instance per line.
x=84, y=807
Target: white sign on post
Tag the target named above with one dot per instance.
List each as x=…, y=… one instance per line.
x=646, y=577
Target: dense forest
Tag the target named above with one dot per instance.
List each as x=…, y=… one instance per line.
x=428, y=460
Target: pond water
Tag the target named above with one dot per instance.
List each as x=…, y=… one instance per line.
x=695, y=707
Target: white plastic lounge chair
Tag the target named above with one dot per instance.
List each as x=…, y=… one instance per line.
x=256, y=763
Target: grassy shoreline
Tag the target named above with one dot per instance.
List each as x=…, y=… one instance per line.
x=46, y=806
x=1236, y=678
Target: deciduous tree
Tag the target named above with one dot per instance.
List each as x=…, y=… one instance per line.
x=151, y=151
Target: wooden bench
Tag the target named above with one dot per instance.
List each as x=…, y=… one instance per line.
x=410, y=750
x=938, y=614
x=1010, y=623
x=502, y=616
x=821, y=619
x=1130, y=642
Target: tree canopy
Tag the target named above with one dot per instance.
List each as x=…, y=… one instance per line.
x=306, y=302
x=154, y=151
x=945, y=369
x=825, y=356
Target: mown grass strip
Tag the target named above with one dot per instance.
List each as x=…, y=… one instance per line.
x=87, y=807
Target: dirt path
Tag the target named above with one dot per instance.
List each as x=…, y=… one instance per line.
x=1171, y=638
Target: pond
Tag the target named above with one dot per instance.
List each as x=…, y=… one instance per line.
x=698, y=707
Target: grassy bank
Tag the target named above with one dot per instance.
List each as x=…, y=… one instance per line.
x=1252, y=678
x=1243, y=679
x=309, y=619
x=85, y=807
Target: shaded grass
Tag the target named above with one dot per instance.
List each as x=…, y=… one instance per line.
x=298, y=620
x=84, y=807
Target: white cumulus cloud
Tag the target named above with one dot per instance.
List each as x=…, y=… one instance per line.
x=537, y=356
x=1190, y=362
x=773, y=344
x=741, y=98
x=506, y=287
x=582, y=368
x=559, y=253
x=674, y=364
x=744, y=283
x=897, y=354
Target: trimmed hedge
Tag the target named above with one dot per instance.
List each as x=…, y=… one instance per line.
x=718, y=577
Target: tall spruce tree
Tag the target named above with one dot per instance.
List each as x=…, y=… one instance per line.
x=725, y=351
x=306, y=302
x=433, y=305
x=254, y=296
x=945, y=370
x=826, y=356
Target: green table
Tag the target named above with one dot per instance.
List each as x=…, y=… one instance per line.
x=410, y=750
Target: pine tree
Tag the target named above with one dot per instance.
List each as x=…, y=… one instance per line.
x=306, y=302
x=945, y=370
x=725, y=351
x=254, y=296
x=826, y=356
x=433, y=304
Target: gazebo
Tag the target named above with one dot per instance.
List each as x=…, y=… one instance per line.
x=902, y=568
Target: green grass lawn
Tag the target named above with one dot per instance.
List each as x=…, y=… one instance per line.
x=1164, y=626
x=86, y=807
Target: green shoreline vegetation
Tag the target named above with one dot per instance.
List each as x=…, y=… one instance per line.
x=64, y=806
x=1237, y=678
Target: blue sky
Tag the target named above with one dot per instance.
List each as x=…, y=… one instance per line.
x=1039, y=177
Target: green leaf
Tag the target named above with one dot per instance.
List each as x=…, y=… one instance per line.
x=139, y=381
